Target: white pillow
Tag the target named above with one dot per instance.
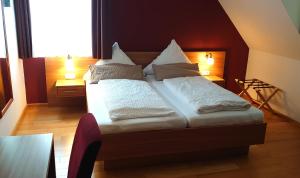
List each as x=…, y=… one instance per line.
x=172, y=54
x=118, y=56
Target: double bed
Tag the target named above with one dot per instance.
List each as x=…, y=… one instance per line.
x=184, y=135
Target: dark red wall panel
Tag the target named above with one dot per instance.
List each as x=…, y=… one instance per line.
x=35, y=80
x=149, y=25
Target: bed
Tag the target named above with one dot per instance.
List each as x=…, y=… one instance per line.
x=182, y=137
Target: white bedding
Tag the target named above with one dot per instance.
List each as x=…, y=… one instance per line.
x=97, y=107
x=195, y=119
x=204, y=96
x=129, y=99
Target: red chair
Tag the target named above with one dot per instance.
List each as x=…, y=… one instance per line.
x=86, y=144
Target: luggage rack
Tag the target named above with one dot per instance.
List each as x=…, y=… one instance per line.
x=257, y=85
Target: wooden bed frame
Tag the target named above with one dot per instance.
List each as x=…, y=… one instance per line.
x=151, y=147
x=158, y=146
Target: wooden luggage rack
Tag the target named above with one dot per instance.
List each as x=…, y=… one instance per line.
x=257, y=85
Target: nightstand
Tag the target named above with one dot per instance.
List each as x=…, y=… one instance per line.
x=70, y=88
x=217, y=80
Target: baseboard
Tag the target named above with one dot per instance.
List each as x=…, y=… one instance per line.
x=13, y=132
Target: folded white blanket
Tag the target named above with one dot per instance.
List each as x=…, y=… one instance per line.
x=204, y=96
x=129, y=99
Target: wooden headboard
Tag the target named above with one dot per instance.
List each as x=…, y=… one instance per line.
x=145, y=58
x=55, y=70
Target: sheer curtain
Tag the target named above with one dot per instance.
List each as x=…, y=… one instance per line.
x=61, y=27
x=2, y=39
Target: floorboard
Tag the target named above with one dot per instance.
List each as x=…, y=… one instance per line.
x=278, y=157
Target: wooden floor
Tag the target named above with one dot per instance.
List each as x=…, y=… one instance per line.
x=279, y=157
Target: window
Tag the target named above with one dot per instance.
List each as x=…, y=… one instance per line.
x=61, y=27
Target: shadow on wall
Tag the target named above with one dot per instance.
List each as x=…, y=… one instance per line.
x=279, y=102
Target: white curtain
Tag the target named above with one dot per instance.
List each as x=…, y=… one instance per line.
x=61, y=27
x=2, y=39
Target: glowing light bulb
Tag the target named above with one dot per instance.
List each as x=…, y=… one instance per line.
x=69, y=64
x=210, y=60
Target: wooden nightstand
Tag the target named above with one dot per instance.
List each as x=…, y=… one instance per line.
x=70, y=88
x=217, y=80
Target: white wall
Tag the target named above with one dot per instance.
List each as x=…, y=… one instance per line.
x=282, y=72
x=274, y=44
x=264, y=25
x=9, y=120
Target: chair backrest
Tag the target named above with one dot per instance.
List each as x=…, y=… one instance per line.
x=86, y=144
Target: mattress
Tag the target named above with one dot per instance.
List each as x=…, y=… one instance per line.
x=97, y=107
x=195, y=119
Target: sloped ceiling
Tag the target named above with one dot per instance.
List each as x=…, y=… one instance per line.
x=265, y=25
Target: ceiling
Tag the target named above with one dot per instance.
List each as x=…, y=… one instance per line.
x=265, y=25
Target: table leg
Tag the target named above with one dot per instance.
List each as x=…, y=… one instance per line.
x=51, y=171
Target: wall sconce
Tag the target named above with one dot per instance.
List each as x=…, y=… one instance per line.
x=205, y=62
x=70, y=74
x=210, y=60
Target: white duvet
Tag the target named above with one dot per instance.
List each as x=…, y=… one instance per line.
x=204, y=96
x=129, y=99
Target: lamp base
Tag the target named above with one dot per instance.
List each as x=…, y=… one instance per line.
x=205, y=72
x=70, y=76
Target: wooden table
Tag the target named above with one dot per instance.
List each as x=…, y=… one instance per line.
x=29, y=156
x=70, y=88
